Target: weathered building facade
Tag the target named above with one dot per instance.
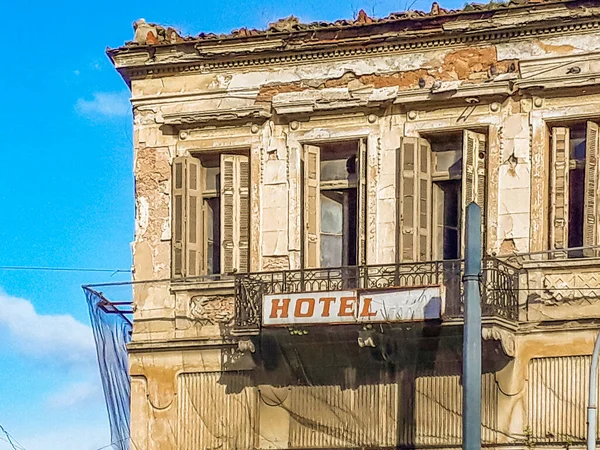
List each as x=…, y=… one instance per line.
x=287, y=179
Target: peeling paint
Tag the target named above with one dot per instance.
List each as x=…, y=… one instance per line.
x=270, y=94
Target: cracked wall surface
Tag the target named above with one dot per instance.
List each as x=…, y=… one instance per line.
x=373, y=82
x=505, y=74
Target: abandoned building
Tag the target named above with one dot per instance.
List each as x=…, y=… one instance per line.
x=291, y=182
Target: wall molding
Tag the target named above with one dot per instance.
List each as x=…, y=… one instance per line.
x=171, y=65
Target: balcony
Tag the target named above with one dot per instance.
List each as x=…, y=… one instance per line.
x=499, y=287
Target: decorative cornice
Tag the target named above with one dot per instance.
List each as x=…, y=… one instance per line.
x=330, y=99
x=313, y=101
x=559, y=72
x=134, y=63
x=583, y=80
x=463, y=91
x=170, y=345
x=252, y=113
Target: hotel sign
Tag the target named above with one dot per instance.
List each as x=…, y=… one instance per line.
x=347, y=307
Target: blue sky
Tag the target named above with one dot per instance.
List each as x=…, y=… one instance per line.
x=66, y=190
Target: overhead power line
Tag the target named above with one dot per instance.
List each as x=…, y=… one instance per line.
x=118, y=442
x=65, y=269
x=11, y=440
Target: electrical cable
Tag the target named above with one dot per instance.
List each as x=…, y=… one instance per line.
x=113, y=443
x=65, y=269
x=11, y=440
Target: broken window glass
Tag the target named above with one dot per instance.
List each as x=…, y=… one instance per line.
x=332, y=228
x=338, y=187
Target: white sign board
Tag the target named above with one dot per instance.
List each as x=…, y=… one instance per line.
x=345, y=307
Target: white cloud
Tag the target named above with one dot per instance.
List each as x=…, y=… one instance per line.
x=107, y=104
x=76, y=394
x=52, y=337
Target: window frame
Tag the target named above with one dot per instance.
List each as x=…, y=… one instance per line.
x=207, y=159
x=307, y=257
x=414, y=242
x=559, y=188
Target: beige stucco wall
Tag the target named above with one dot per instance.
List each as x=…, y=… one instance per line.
x=186, y=329
x=515, y=126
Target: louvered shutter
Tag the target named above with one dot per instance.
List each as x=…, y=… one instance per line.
x=415, y=200
x=559, y=189
x=193, y=220
x=234, y=213
x=473, y=178
x=244, y=215
x=592, y=185
x=312, y=206
x=177, y=232
x=361, y=253
x=187, y=244
x=227, y=212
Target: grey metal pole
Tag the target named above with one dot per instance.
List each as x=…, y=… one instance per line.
x=472, y=332
x=592, y=410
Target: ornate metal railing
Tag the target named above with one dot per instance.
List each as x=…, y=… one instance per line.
x=499, y=283
x=499, y=290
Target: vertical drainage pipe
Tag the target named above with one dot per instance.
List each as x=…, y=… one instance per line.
x=471, y=400
x=592, y=410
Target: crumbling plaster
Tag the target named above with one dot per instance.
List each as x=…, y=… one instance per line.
x=512, y=162
x=272, y=108
x=402, y=69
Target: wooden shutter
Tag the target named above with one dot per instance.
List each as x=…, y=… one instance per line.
x=244, y=215
x=473, y=178
x=592, y=185
x=177, y=215
x=559, y=189
x=312, y=206
x=415, y=200
x=361, y=217
x=193, y=218
x=235, y=213
x=187, y=240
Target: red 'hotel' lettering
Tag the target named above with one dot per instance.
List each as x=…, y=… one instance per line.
x=327, y=301
x=282, y=307
x=346, y=306
x=305, y=307
x=304, y=301
x=366, y=309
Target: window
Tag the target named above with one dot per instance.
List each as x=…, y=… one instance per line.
x=334, y=190
x=439, y=175
x=446, y=218
x=574, y=188
x=339, y=204
x=210, y=214
x=211, y=203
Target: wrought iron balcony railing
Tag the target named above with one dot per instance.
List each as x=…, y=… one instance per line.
x=499, y=286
